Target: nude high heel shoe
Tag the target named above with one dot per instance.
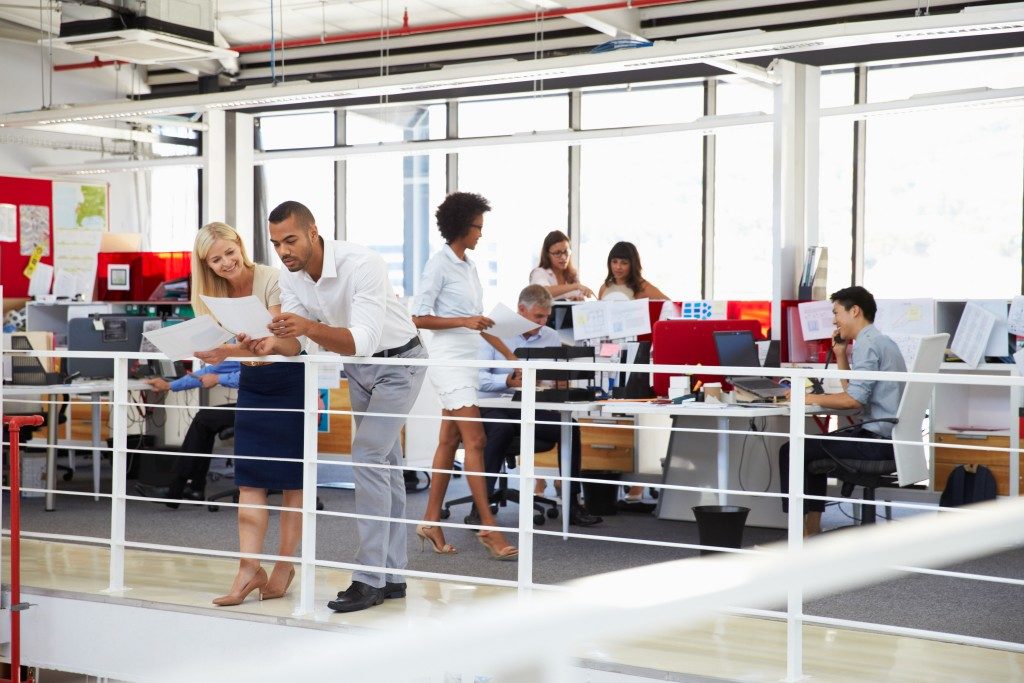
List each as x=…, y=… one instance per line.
x=273, y=595
x=257, y=582
x=508, y=552
x=440, y=548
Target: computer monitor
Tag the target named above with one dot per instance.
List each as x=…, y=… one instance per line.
x=102, y=333
x=736, y=348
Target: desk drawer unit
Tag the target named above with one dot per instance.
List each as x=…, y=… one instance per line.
x=606, y=446
x=948, y=457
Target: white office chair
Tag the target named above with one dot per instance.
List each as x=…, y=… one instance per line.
x=910, y=460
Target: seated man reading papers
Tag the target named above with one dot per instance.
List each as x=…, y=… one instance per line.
x=534, y=304
x=853, y=312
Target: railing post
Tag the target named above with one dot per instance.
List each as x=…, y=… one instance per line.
x=307, y=576
x=119, y=432
x=528, y=417
x=795, y=526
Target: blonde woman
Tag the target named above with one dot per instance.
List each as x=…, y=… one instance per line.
x=221, y=268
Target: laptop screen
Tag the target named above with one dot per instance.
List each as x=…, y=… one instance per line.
x=736, y=349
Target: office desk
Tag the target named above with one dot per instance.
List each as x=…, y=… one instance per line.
x=95, y=390
x=565, y=412
x=689, y=461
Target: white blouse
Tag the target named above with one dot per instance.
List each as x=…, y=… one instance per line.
x=449, y=287
x=546, y=277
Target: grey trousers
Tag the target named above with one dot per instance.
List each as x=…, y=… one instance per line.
x=390, y=389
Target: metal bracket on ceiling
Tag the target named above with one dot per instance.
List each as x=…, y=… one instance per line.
x=760, y=75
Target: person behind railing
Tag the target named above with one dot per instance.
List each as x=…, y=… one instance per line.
x=449, y=301
x=189, y=482
x=221, y=268
x=625, y=280
x=853, y=311
x=535, y=304
x=337, y=294
x=556, y=272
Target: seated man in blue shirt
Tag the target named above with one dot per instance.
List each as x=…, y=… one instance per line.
x=853, y=311
x=190, y=472
x=535, y=304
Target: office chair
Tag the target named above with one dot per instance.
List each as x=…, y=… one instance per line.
x=503, y=494
x=28, y=370
x=910, y=464
x=224, y=435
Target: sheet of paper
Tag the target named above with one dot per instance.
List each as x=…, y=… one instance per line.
x=42, y=276
x=35, y=228
x=8, y=223
x=328, y=375
x=909, y=344
x=972, y=334
x=999, y=337
x=182, y=340
x=590, y=320
x=905, y=316
x=628, y=318
x=508, y=323
x=1015, y=322
x=816, y=319
x=243, y=314
x=74, y=252
x=65, y=284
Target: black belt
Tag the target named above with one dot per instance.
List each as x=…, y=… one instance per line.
x=398, y=350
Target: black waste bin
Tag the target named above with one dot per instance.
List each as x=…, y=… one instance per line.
x=599, y=499
x=720, y=525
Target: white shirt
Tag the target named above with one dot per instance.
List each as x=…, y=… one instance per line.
x=354, y=292
x=449, y=287
x=546, y=278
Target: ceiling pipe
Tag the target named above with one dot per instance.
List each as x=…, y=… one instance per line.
x=407, y=30
x=96, y=63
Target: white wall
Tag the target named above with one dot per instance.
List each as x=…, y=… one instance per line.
x=20, y=151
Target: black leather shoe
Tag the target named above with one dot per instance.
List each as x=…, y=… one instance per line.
x=625, y=505
x=150, y=491
x=394, y=590
x=580, y=517
x=358, y=596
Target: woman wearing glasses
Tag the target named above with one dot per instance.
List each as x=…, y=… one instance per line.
x=556, y=272
x=450, y=303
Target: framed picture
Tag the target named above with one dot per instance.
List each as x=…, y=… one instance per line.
x=118, y=276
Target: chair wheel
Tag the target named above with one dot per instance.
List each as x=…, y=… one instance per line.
x=319, y=504
x=213, y=508
x=446, y=513
x=552, y=513
x=538, y=519
x=654, y=493
x=68, y=476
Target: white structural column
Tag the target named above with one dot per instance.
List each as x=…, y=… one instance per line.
x=452, y=158
x=575, y=123
x=239, y=182
x=340, y=178
x=794, y=179
x=215, y=166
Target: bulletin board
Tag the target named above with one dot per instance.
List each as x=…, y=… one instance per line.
x=28, y=192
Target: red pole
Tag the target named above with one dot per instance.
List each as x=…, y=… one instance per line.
x=14, y=425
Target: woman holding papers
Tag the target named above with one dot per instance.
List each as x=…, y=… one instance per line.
x=556, y=272
x=221, y=268
x=450, y=302
x=625, y=275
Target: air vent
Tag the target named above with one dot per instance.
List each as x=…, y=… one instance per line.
x=138, y=46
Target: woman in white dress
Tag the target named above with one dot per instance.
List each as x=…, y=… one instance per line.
x=556, y=273
x=449, y=302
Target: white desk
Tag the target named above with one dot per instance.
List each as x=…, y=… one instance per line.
x=565, y=412
x=95, y=390
x=688, y=463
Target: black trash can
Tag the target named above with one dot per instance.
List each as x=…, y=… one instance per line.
x=720, y=525
x=599, y=499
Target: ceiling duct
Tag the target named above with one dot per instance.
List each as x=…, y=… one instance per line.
x=169, y=32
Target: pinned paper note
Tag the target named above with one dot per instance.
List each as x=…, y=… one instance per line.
x=39, y=283
x=905, y=316
x=972, y=334
x=8, y=223
x=816, y=319
x=1015, y=322
x=610, y=319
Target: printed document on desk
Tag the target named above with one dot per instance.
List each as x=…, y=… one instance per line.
x=182, y=340
x=816, y=319
x=240, y=315
x=972, y=334
x=611, y=319
x=508, y=323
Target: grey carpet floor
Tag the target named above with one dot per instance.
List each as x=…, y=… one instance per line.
x=972, y=608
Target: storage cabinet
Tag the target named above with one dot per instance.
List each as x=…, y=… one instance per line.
x=947, y=457
x=606, y=445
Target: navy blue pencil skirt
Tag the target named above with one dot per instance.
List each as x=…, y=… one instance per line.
x=268, y=433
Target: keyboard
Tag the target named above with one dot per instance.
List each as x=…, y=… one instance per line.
x=762, y=387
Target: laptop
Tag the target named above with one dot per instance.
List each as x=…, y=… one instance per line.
x=736, y=348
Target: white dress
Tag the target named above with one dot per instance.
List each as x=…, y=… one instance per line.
x=450, y=288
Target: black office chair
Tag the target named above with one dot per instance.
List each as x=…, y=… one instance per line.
x=910, y=464
x=28, y=370
x=503, y=494
x=232, y=493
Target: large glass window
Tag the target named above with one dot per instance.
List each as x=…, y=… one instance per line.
x=391, y=198
x=743, y=213
x=835, y=187
x=943, y=213
x=309, y=181
x=899, y=82
x=173, y=197
x=506, y=116
x=642, y=106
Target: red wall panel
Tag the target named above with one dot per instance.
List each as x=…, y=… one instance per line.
x=20, y=191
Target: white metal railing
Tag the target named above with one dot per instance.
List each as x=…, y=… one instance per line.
x=525, y=584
